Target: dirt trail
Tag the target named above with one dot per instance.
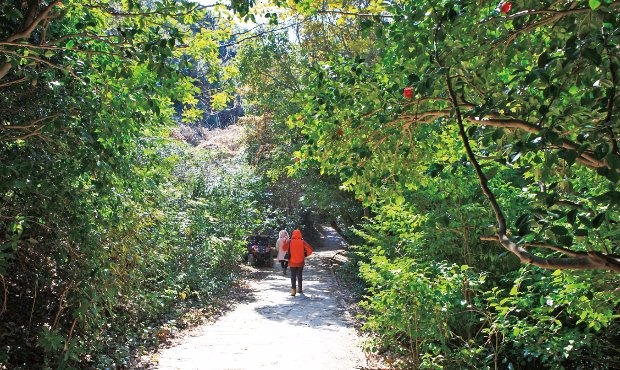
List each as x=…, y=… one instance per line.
x=274, y=330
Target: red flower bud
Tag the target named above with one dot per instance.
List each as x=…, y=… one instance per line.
x=408, y=92
x=505, y=7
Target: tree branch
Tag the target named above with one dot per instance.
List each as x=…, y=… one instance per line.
x=4, y=69
x=45, y=62
x=586, y=158
x=148, y=14
x=364, y=15
x=553, y=15
x=34, y=125
x=589, y=261
x=611, y=99
x=259, y=34
x=565, y=251
x=25, y=33
x=13, y=82
x=5, y=295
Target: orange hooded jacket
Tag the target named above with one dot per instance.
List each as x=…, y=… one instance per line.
x=297, y=246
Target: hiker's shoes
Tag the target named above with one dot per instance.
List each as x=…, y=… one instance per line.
x=293, y=292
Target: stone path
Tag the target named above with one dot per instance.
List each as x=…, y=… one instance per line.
x=274, y=330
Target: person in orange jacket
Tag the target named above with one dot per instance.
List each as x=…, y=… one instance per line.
x=299, y=250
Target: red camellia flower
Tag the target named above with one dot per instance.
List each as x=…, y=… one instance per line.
x=505, y=7
x=408, y=92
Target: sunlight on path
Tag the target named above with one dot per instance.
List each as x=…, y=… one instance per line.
x=275, y=330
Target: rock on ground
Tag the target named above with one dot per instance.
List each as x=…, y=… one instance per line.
x=273, y=330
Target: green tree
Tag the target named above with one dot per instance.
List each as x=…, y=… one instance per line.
x=87, y=95
x=270, y=68
x=465, y=124
x=531, y=92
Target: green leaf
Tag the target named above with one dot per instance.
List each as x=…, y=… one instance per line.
x=612, y=197
x=524, y=229
x=601, y=150
x=581, y=232
x=497, y=134
x=585, y=221
x=598, y=220
x=514, y=290
x=523, y=219
x=559, y=230
x=592, y=55
x=568, y=155
x=543, y=59
x=565, y=240
x=551, y=199
x=571, y=216
x=613, y=160
x=594, y=4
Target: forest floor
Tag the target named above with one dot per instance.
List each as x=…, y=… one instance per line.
x=270, y=329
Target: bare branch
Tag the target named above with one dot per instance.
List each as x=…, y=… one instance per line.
x=426, y=116
x=589, y=261
x=13, y=82
x=586, y=158
x=5, y=295
x=362, y=15
x=564, y=251
x=4, y=69
x=611, y=99
x=34, y=125
x=25, y=33
x=43, y=61
x=260, y=34
x=561, y=12
x=148, y=14
x=551, y=16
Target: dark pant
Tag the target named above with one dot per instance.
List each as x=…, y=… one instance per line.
x=296, y=275
x=284, y=263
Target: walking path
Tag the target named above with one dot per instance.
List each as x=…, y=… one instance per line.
x=274, y=330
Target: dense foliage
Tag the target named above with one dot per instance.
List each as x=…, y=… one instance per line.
x=542, y=111
x=105, y=223
x=270, y=72
x=466, y=126
x=471, y=144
